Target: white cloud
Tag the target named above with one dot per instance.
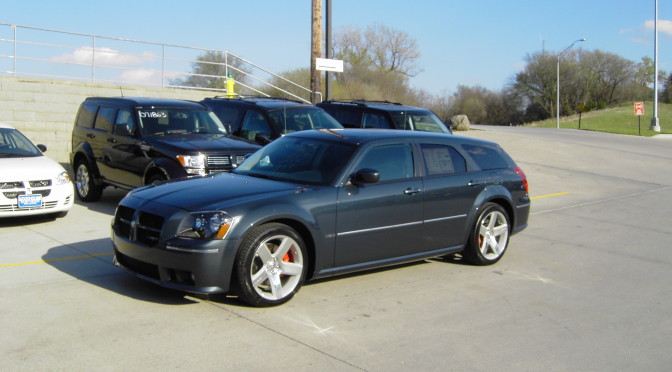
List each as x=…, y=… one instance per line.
x=145, y=76
x=664, y=26
x=104, y=56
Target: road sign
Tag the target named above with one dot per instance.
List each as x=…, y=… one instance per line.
x=323, y=64
x=639, y=108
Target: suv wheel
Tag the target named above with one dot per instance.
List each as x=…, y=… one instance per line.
x=85, y=184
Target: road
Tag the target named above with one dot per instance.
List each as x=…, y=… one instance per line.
x=585, y=287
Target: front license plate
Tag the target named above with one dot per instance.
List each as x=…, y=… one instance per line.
x=30, y=201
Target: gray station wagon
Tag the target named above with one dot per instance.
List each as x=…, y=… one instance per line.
x=319, y=203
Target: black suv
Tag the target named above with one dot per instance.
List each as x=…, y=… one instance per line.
x=130, y=142
x=383, y=115
x=263, y=119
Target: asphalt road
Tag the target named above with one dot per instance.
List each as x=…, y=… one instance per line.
x=585, y=287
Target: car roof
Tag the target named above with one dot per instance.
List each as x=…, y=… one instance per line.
x=361, y=136
x=377, y=105
x=151, y=102
x=268, y=103
x=5, y=125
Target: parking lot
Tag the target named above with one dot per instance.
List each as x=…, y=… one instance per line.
x=587, y=286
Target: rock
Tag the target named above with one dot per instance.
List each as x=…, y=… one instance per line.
x=459, y=123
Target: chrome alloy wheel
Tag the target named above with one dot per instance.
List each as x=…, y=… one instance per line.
x=277, y=267
x=82, y=179
x=493, y=235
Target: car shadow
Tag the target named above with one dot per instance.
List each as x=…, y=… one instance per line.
x=91, y=262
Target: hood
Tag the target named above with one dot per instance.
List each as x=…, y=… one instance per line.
x=32, y=168
x=212, y=192
x=204, y=143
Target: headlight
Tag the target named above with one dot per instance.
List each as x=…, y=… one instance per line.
x=193, y=164
x=205, y=225
x=62, y=178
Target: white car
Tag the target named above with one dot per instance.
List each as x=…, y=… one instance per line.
x=30, y=183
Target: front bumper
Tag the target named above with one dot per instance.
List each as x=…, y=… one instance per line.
x=199, y=267
x=57, y=199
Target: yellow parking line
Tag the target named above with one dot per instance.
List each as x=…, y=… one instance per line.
x=57, y=259
x=549, y=195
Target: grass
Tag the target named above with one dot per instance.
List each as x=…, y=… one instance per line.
x=619, y=119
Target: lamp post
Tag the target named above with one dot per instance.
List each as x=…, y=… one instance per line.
x=558, y=82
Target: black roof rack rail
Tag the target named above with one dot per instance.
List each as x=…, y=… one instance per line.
x=362, y=102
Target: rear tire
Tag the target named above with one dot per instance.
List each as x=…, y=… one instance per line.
x=271, y=265
x=85, y=184
x=489, y=236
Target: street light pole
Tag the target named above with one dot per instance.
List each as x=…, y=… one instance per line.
x=557, y=89
x=655, y=123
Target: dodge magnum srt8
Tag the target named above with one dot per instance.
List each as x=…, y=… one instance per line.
x=318, y=203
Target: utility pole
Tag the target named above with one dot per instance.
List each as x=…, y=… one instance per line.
x=316, y=44
x=655, y=124
x=328, y=52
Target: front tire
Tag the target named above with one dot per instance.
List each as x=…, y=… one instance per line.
x=271, y=265
x=85, y=184
x=489, y=236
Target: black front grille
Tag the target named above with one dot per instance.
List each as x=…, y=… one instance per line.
x=44, y=193
x=142, y=268
x=138, y=226
x=11, y=185
x=13, y=194
x=40, y=183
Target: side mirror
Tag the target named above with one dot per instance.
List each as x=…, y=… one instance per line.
x=262, y=139
x=365, y=176
x=123, y=130
x=42, y=148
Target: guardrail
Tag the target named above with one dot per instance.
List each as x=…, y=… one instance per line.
x=40, y=52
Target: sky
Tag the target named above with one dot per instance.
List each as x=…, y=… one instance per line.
x=473, y=43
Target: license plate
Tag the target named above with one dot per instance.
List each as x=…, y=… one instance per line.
x=30, y=201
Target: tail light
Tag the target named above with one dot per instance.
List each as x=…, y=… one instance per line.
x=523, y=177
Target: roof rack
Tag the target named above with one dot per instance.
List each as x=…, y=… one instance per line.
x=261, y=97
x=363, y=102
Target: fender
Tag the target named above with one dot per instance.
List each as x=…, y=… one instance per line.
x=170, y=168
x=490, y=193
x=83, y=149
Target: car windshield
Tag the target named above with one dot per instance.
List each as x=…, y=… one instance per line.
x=425, y=121
x=298, y=160
x=13, y=144
x=294, y=119
x=161, y=121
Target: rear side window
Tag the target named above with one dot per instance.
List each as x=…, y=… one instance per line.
x=105, y=118
x=348, y=118
x=442, y=159
x=486, y=157
x=372, y=120
x=87, y=113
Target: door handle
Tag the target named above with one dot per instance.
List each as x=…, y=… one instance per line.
x=91, y=135
x=411, y=191
x=112, y=140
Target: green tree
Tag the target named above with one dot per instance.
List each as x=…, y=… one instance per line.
x=210, y=70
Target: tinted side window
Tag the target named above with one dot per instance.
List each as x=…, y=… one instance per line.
x=442, y=159
x=486, y=157
x=394, y=162
x=124, y=123
x=105, y=118
x=348, y=118
x=372, y=120
x=87, y=113
x=230, y=116
x=254, y=124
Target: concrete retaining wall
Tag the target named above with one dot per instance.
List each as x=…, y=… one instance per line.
x=44, y=110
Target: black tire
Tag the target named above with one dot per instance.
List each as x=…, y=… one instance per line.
x=489, y=236
x=156, y=177
x=85, y=184
x=271, y=265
